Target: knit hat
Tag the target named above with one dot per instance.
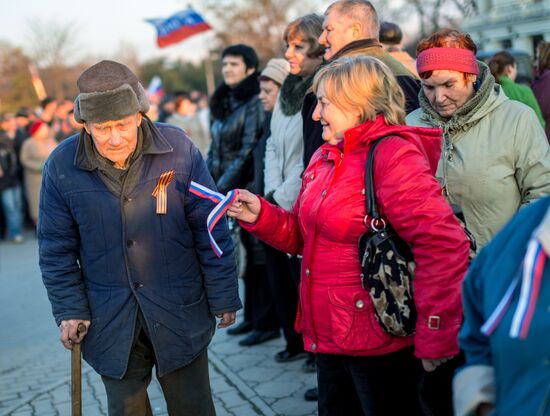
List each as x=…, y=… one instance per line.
x=452, y=59
x=108, y=91
x=35, y=126
x=276, y=70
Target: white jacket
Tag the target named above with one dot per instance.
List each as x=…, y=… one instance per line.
x=283, y=157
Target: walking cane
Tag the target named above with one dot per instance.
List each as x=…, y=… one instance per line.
x=76, y=375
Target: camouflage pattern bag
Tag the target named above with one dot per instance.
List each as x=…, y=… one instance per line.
x=387, y=266
x=387, y=272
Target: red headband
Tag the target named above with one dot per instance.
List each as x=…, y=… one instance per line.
x=452, y=59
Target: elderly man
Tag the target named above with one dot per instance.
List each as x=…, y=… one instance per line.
x=124, y=249
x=351, y=28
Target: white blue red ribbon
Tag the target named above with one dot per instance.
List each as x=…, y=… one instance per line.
x=531, y=278
x=533, y=268
x=223, y=202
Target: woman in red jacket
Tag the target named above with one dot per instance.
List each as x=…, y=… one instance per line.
x=361, y=369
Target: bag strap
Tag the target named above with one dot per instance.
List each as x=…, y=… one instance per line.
x=372, y=206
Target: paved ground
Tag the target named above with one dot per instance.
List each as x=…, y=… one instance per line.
x=34, y=368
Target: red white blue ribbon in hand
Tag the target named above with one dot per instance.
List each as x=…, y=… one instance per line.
x=531, y=279
x=223, y=202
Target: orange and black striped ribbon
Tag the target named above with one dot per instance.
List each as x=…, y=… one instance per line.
x=160, y=191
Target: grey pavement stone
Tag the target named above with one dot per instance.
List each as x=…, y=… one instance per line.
x=279, y=389
x=231, y=398
x=245, y=410
x=34, y=376
x=259, y=374
x=291, y=407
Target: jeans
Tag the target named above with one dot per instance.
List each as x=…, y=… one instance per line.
x=186, y=390
x=13, y=210
x=384, y=385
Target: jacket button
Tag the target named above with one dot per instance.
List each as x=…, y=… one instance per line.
x=130, y=243
x=312, y=176
x=126, y=199
x=314, y=346
x=307, y=272
x=138, y=285
x=360, y=304
x=324, y=193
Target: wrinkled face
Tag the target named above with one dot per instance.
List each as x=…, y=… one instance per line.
x=115, y=140
x=234, y=70
x=448, y=91
x=337, y=33
x=269, y=92
x=335, y=121
x=296, y=55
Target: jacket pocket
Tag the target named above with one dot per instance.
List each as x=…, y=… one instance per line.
x=353, y=323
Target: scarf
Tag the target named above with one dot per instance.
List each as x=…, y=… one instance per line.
x=293, y=91
x=467, y=112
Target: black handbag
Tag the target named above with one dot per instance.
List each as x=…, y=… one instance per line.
x=387, y=265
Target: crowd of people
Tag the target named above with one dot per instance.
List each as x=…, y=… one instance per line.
x=27, y=138
x=459, y=147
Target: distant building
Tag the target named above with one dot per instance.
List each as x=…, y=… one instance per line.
x=503, y=24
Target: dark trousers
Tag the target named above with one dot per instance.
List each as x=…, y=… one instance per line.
x=284, y=275
x=259, y=307
x=436, y=392
x=385, y=385
x=186, y=390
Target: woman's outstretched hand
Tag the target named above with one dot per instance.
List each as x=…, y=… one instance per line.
x=246, y=207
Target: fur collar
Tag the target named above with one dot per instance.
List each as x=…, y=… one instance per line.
x=292, y=94
x=220, y=106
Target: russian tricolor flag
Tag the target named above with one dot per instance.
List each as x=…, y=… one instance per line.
x=178, y=27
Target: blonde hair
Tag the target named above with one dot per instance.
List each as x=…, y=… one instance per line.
x=363, y=83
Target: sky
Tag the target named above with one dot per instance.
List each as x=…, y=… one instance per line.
x=101, y=26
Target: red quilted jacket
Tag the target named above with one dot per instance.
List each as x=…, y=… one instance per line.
x=335, y=313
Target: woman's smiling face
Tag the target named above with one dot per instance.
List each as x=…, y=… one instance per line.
x=335, y=121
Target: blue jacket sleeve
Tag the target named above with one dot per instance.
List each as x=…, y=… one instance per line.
x=58, y=243
x=475, y=382
x=220, y=274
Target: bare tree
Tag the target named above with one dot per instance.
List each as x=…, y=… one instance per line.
x=53, y=47
x=15, y=80
x=127, y=54
x=432, y=15
x=258, y=23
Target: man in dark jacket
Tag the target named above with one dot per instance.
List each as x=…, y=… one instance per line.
x=124, y=249
x=351, y=28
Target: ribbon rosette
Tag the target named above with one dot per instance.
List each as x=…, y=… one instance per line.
x=223, y=202
x=160, y=191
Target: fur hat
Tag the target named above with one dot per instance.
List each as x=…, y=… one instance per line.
x=276, y=70
x=108, y=91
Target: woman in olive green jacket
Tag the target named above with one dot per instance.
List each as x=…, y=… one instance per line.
x=495, y=156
